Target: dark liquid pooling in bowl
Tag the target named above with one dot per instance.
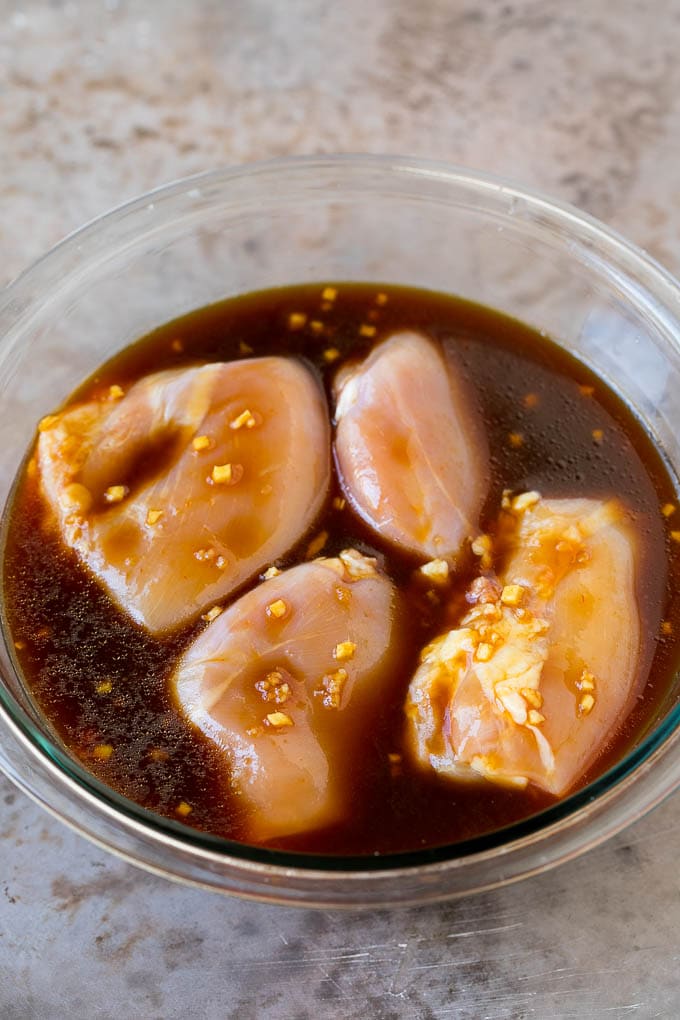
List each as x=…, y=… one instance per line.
x=551, y=425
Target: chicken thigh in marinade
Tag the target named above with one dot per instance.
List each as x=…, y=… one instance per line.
x=412, y=455
x=286, y=682
x=175, y=493
x=544, y=665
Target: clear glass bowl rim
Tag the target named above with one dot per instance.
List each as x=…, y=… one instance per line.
x=601, y=809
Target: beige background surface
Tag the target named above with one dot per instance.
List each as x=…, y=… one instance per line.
x=100, y=101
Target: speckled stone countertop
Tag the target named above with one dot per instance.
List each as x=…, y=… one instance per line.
x=102, y=100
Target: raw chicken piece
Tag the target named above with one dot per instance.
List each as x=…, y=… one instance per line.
x=177, y=492
x=411, y=453
x=287, y=681
x=545, y=665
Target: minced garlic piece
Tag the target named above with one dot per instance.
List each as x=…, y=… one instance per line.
x=598, y=435
x=183, y=809
x=331, y=687
x=534, y=697
x=675, y=535
x=277, y=609
x=116, y=392
x=104, y=687
x=587, y=681
x=344, y=650
x=586, y=704
x=329, y=294
x=201, y=443
x=531, y=400
x=177, y=346
x=278, y=720
x=159, y=754
x=153, y=516
x=535, y=718
x=76, y=497
x=381, y=299
x=525, y=501
x=512, y=594
x=668, y=509
x=296, y=320
x=436, y=570
x=212, y=614
x=483, y=652
x=516, y=439
x=245, y=418
x=366, y=330
x=205, y=555
x=586, y=391
x=356, y=565
x=331, y=354
x=116, y=493
x=270, y=572
x=316, y=326
x=339, y=503
x=317, y=544
x=666, y=627
x=244, y=348
x=103, y=752
x=222, y=474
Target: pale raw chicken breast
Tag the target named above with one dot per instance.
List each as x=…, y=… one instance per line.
x=544, y=667
x=411, y=453
x=287, y=681
x=180, y=490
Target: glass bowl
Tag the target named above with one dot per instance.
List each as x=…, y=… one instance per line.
x=362, y=218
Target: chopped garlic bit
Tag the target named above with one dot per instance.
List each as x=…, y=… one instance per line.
x=221, y=563
x=675, y=535
x=102, y=752
x=366, y=330
x=244, y=420
x=159, y=754
x=535, y=718
x=516, y=439
x=331, y=687
x=586, y=391
x=316, y=326
x=531, y=400
x=116, y=392
x=201, y=443
x=668, y=509
x=381, y=299
x=277, y=609
x=525, y=501
x=274, y=687
x=316, y=545
x=76, y=497
x=598, y=435
x=153, y=516
x=586, y=682
x=586, y=704
x=483, y=652
x=512, y=594
x=270, y=572
x=183, y=809
x=329, y=294
x=177, y=346
x=116, y=493
x=344, y=650
x=212, y=614
x=339, y=503
x=482, y=546
x=104, y=687
x=331, y=354
x=244, y=348
x=278, y=720
x=436, y=570
x=666, y=627
x=226, y=474
x=358, y=566
x=296, y=320
x=205, y=555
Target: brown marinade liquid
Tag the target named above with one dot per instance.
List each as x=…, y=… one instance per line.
x=101, y=680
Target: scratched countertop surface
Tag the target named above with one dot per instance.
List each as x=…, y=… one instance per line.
x=100, y=101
